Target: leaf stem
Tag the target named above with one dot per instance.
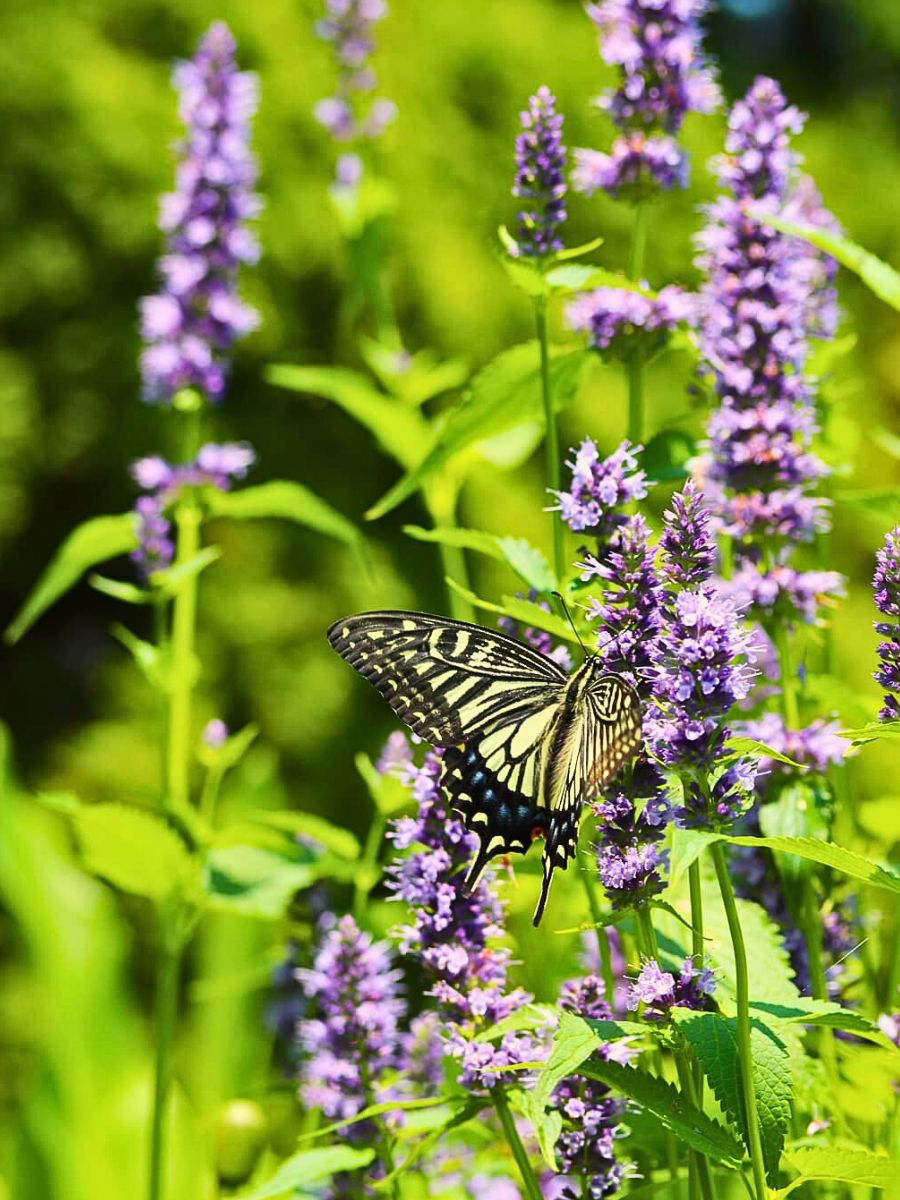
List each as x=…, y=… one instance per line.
x=529, y=1179
x=754, y=1141
x=167, y=973
x=635, y=367
x=184, y=616
x=552, y=434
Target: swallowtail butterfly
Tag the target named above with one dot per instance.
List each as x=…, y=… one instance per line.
x=525, y=745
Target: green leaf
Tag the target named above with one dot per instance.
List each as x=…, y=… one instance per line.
x=414, y=378
x=525, y=274
x=848, y=1166
x=740, y=746
x=575, y=1040
x=667, y=454
x=388, y=793
x=458, y=1116
x=285, y=499
x=229, y=754
x=525, y=1017
x=520, y=610
x=529, y=563
x=169, y=581
x=403, y=432
x=714, y=1041
x=151, y=661
x=577, y=251
x=580, y=277
x=878, y=276
x=118, y=589
x=134, y=850
x=873, y=732
x=93, y=542
x=339, y=841
x=505, y=393
x=671, y=1109
x=880, y=503
x=254, y=882
x=300, y=1174
x=546, y=1123
x=807, y=1011
x=686, y=846
x=827, y=854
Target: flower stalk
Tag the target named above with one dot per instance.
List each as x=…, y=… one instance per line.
x=529, y=1179
x=745, y=1053
x=552, y=434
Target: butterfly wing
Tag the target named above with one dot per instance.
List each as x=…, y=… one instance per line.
x=602, y=734
x=489, y=700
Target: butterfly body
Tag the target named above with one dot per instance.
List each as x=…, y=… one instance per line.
x=525, y=745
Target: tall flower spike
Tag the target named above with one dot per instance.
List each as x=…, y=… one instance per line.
x=887, y=600
x=190, y=325
x=655, y=44
x=351, y=115
x=353, y=990
x=540, y=177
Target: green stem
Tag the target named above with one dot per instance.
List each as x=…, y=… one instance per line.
x=160, y=638
x=700, y=1173
x=606, y=971
x=789, y=706
x=440, y=500
x=209, y=796
x=184, y=616
x=635, y=367
x=697, y=950
x=552, y=435
x=529, y=1179
x=362, y=885
x=167, y=972
x=745, y=1053
x=647, y=934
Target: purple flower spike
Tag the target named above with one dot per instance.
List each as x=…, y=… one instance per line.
x=689, y=551
x=887, y=600
x=660, y=992
x=353, y=989
x=191, y=324
x=352, y=115
x=655, y=44
x=540, y=177
x=627, y=324
x=600, y=488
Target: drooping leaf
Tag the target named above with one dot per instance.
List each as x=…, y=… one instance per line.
x=303, y=1174
x=402, y=431
x=827, y=854
x=87, y=545
x=740, y=746
x=523, y=611
x=671, y=1109
x=714, y=1041
x=285, y=499
x=873, y=732
x=808, y=1011
x=847, y=1166
x=878, y=276
x=504, y=393
x=253, y=881
x=134, y=850
x=580, y=277
x=529, y=563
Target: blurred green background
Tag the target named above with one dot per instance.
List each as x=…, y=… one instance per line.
x=89, y=120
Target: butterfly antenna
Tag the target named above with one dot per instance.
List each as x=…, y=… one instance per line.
x=561, y=598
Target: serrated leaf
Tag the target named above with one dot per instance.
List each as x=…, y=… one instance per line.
x=134, y=850
x=873, y=732
x=254, y=882
x=300, y=1174
x=403, y=432
x=575, y=1039
x=714, y=1041
x=87, y=545
x=525, y=274
x=671, y=1109
x=505, y=393
x=827, y=854
x=848, y=1166
x=545, y=1122
x=808, y=1011
x=685, y=847
x=525, y=1017
x=795, y=812
x=285, y=499
x=878, y=276
x=339, y=841
x=772, y=977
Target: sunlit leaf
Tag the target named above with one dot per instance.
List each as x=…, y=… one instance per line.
x=87, y=545
x=848, y=1166
x=503, y=394
x=667, y=454
x=285, y=499
x=827, y=854
x=134, y=850
x=740, y=746
x=873, y=732
x=529, y=563
x=332, y=837
x=303, y=1174
x=253, y=881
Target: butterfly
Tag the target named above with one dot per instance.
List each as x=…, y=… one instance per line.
x=525, y=745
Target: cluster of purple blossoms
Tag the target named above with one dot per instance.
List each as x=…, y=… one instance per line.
x=659, y=991
x=350, y=116
x=540, y=177
x=591, y=1116
x=353, y=988
x=627, y=324
x=765, y=295
x=600, y=489
x=456, y=936
x=656, y=46
x=218, y=465
x=886, y=583
x=190, y=324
